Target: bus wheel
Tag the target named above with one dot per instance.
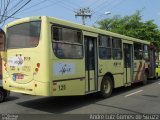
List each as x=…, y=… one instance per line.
x=144, y=82
x=106, y=87
x=6, y=94
x=1, y=96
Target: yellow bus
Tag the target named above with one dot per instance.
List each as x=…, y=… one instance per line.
x=52, y=57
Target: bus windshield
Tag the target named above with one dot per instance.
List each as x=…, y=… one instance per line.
x=25, y=35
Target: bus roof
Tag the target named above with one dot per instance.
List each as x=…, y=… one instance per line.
x=77, y=26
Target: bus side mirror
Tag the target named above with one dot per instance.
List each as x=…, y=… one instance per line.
x=2, y=40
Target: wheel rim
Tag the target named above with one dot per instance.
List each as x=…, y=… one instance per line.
x=107, y=86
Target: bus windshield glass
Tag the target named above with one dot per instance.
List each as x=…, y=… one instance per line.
x=25, y=35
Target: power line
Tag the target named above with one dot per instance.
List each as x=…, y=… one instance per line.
x=120, y=2
x=60, y=4
x=71, y=4
x=5, y=10
x=10, y=17
x=114, y=4
x=1, y=7
x=95, y=2
x=97, y=11
x=41, y=2
x=16, y=5
x=101, y=4
x=15, y=11
x=54, y=3
x=100, y=8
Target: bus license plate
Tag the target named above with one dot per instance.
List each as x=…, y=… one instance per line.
x=19, y=76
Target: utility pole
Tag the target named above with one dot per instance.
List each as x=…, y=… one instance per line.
x=84, y=13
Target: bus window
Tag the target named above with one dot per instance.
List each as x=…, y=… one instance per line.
x=138, y=51
x=26, y=35
x=104, y=47
x=116, y=48
x=145, y=52
x=67, y=43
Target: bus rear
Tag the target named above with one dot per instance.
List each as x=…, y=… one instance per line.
x=23, y=67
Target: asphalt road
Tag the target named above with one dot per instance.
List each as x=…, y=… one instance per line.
x=137, y=99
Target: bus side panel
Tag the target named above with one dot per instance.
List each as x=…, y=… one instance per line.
x=113, y=67
x=68, y=87
x=42, y=88
x=139, y=68
x=118, y=80
x=68, y=77
x=118, y=71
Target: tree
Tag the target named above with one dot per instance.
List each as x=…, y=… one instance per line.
x=8, y=8
x=132, y=26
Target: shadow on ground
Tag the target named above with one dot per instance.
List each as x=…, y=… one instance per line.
x=11, y=98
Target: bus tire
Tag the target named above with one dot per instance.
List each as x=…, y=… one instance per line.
x=1, y=95
x=6, y=94
x=106, y=87
x=144, y=82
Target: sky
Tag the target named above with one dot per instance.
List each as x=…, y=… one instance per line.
x=65, y=9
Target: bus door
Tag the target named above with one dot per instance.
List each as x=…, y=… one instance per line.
x=90, y=44
x=128, y=63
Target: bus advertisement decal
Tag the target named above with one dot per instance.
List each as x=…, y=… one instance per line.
x=64, y=68
x=16, y=61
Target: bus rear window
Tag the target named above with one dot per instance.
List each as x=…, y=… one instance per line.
x=25, y=35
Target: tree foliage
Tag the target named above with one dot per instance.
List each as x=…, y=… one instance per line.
x=132, y=26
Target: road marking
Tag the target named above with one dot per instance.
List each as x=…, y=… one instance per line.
x=159, y=83
x=133, y=93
